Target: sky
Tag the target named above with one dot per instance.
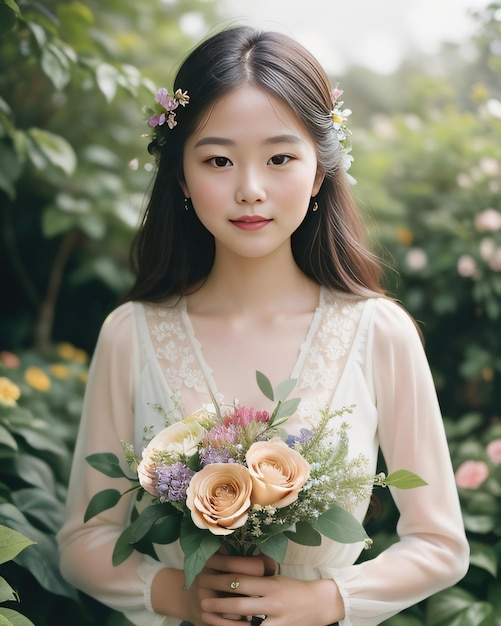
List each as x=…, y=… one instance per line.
x=373, y=33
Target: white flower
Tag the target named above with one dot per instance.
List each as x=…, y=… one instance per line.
x=488, y=220
x=417, y=259
x=466, y=266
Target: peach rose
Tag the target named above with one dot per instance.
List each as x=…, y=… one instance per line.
x=494, y=451
x=219, y=497
x=278, y=472
x=471, y=474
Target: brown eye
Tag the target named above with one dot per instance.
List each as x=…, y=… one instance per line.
x=220, y=161
x=279, y=159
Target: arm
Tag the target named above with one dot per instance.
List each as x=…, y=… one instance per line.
x=432, y=553
x=107, y=420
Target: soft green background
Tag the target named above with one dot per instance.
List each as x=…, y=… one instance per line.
x=73, y=177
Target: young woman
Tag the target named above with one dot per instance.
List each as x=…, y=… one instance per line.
x=252, y=256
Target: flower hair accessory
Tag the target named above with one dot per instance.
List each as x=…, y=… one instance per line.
x=339, y=118
x=163, y=116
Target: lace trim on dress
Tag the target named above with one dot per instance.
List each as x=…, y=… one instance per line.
x=324, y=353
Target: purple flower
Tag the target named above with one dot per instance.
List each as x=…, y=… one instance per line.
x=303, y=438
x=173, y=480
x=212, y=454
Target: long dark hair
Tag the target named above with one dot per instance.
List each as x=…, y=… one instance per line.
x=173, y=251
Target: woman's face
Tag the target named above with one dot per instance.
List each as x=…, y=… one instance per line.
x=250, y=170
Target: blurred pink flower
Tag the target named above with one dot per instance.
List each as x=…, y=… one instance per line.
x=466, y=266
x=495, y=260
x=417, y=259
x=488, y=220
x=494, y=450
x=471, y=474
x=9, y=359
x=490, y=166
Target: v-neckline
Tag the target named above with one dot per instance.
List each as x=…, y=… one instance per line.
x=207, y=371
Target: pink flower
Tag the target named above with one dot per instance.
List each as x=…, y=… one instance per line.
x=488, y=220
x=471, y=474
x=164, y=98
x=495, y=260
x=417, y=259
x=466, y=266
x=336, y=93
x=494, y=450
x=9, y=359
x=242, y=416
x=222, y=435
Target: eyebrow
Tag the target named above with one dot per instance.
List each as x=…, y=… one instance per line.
x=222, y=141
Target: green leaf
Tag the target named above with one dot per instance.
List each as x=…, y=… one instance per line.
x=102, y=501
x=275, y=547
x=107, y=78
x=9, y=12
x=339, y=525
x=403, y=479
x=6, y=439
x=304, y=534
x=284, y=388
x=148, y=518
x=483, y=556
x=8, y=617
x=7, y=594
x=455, y=607
x=12, y=543
x=265, y=385
x=41, y=505
x=124, y=547
x=56, y=66
x=195, y=560
x=56, y=150
x=166, y=530
x=40, y=560
x=107, y=463
x=285, y=410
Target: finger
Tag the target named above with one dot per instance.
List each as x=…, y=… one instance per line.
x=251, y=565
x=228, y=584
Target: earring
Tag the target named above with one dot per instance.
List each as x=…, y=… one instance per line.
x=186, y=204
x=315, y=207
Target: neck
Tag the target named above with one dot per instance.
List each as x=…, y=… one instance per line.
x=264, y=285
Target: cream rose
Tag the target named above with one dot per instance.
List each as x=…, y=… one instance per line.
x=180, y=439
x=219, y=497
x=277, y=471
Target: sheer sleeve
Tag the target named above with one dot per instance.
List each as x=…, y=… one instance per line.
x=432, y=551
x=107, y=420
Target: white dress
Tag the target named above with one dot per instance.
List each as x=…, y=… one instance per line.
x=362, y=352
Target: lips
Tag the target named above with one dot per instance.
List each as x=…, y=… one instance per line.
x=251, y=222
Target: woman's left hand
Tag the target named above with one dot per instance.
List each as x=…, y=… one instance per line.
x=244, y=587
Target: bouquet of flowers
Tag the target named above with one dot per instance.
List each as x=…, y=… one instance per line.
x=232, y=478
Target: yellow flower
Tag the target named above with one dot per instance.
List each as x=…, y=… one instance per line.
x=59, y=371
x=37, y=378
x=9, y=392
x=80, y=356
x=66, y=351
x=404, y=236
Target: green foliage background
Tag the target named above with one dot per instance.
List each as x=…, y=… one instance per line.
x=73, y=176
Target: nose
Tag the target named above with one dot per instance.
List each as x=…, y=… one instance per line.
x=250, y=187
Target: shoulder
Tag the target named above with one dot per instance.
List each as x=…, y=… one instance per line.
x=393, y=325
x=120, y=321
